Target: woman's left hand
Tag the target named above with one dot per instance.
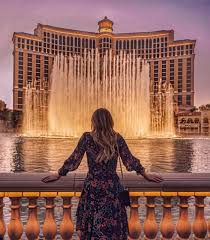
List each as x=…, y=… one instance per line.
x=153, y=177
x=51, y=178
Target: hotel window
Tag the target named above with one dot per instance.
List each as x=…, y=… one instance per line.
x=124, y=44
x=188, y=75
x=139, y=44
x=188, y=100
x=135, y=44
x=38, y=75
x=46, y=62
x=120, y=45
x=191, y=48
x=163, y=71
x=180, y=69
x=60, y=40
x=20, y=99
x=179, y=100
x=142, y=43
x=172, y=72
x=150, y=43
x=68, y=41
x=83, y=43
x=20, y=70
x=132, y=44
x=117, y=46
x=75, y=42
x=147, y=45
x=155, y=76
x=86, y=43
x=128, y=44
x=94, y=43
x=29, y=68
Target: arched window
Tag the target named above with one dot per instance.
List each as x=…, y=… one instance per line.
x=189, y=120
x=196, y=120
x=205, y=120
x=183, y=120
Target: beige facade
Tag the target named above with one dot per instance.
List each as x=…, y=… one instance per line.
x=171, y=60
x=197, y=122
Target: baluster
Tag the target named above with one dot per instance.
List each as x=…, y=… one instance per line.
x=134, y=223
x=49, y=227
x=2, y=223
x=15, y=228
x=167, y=225
x=199, y=224
x=208, y=222
x=208, y=226
x=183, y=226
x=150, y=224
x=32, y=226
x=66, y=226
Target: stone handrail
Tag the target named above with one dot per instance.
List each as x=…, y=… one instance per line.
x=179, y=185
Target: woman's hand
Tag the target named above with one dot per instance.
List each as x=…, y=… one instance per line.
x=51, y=178
x=153, y=177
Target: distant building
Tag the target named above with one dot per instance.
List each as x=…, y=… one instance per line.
x=2, y=105
x=196, y=122
x=172, y=60
x=205, y=119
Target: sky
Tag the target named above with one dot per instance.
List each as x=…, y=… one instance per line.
x=190, y=19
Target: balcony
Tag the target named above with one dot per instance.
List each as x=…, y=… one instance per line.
x=177, y=190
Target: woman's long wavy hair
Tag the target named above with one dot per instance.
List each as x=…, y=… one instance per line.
x=103, y=133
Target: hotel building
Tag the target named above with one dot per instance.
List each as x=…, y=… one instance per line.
x=170, y=60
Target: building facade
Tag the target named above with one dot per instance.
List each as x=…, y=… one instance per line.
x=170, y=60
x=196, y=122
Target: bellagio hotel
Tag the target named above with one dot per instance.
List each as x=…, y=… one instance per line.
x=171, y=60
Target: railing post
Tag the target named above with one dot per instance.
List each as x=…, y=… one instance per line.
x=49, y=226
x=66, y=226
x=32, y=226
x=2, y=223
x=199, y=224
x=134, y=223
x=150, y=224
x=15, y=228
x=183, y=226
x=167, y=225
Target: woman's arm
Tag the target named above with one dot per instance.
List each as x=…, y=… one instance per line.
x=72, y=162
x=132, y=163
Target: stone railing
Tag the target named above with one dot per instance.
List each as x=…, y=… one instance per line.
x=180, y=186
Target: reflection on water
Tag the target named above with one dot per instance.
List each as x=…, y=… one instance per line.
x=18, y=154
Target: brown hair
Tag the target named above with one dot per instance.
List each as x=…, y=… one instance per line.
x=103, y=133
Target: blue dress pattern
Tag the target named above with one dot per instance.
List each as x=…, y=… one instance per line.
x=101, y=215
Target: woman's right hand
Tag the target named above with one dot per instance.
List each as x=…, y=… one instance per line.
x=153, y=177
x=51, y=178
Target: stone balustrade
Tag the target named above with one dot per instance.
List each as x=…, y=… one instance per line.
x=179, y=186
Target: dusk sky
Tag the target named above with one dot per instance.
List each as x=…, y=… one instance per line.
x=189, y=19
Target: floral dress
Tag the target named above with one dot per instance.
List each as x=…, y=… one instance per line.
x=100, y=213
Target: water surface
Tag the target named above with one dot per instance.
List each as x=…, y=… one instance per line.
x=22, y=154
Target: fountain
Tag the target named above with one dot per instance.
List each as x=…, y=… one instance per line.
x=80, y=84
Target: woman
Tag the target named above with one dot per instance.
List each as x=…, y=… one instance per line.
x=100, y=213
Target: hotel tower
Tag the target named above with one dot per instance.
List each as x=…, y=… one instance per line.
x=170, y=60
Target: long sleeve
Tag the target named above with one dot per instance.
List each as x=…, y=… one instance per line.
x=131, y=163
x=74, y=160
